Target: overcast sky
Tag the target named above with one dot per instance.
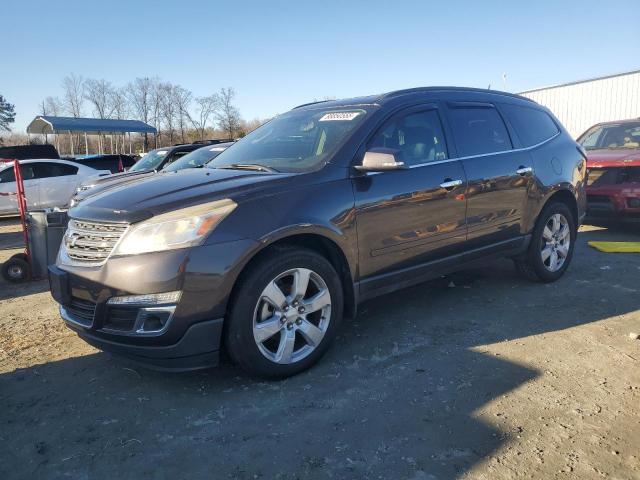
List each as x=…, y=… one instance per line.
x=279, y=54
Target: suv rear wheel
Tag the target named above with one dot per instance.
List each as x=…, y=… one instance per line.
x=552, y=244
x=285, y=313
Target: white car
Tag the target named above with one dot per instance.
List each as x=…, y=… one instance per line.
x=47, y=183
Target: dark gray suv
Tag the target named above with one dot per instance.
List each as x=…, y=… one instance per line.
x=264, y=251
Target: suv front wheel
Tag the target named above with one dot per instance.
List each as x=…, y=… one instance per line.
x=552, y=244
x=285, y=313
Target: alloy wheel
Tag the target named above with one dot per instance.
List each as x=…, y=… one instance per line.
x=556, y=242
x=292, y=316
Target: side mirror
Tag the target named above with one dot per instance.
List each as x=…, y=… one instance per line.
x=380, y=160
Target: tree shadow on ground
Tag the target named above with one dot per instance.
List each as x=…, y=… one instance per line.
x=395, y=398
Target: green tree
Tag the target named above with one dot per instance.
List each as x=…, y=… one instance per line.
x=7, y=114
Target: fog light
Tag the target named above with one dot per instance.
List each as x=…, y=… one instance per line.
x=147, y=299
x=634, y=202
x=153, y=320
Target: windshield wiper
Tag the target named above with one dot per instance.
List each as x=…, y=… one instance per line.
x=248, y=166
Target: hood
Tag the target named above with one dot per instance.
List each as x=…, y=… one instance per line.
x=605, y=157
x=101, y=184
x=114, y=177
x=165, y=191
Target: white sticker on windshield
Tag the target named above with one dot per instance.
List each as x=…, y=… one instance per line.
x=339, y=116
x=162, y=152
x=217, y=149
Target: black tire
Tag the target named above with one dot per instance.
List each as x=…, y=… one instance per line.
x=16, y=269
x=239, y=338
x=531, y=265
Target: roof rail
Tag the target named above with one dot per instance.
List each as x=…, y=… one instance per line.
x=407, y=91
x=311, y=103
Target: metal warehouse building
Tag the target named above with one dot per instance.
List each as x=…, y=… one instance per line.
x=578, y=105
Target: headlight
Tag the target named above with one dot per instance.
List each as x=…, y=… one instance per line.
x=179, y=229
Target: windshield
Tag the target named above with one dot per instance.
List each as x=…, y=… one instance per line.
x=297, y=141
x=613, y=136
x=194, y=159
x=150, y=161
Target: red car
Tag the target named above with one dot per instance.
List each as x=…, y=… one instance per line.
x=613, y=170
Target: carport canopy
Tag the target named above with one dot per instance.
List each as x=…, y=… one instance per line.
x=47, y=124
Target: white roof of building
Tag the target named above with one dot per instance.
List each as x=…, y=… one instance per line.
x=621, y=74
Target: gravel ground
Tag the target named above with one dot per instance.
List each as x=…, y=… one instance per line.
x=488, y=377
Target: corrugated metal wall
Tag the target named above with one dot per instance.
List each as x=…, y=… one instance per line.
x=581, y=104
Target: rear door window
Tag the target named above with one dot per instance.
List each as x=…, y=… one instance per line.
x=478, y=130
x=27, y=170
x=533, y=126
x=7, y=175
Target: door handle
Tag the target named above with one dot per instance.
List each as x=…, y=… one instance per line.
x=524, y=170
x=449, y=184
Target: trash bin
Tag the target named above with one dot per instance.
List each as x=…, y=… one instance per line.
x=46, y=229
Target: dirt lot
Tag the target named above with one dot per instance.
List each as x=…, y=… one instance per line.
x=492, y=378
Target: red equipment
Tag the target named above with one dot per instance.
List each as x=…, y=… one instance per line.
x=18, y=267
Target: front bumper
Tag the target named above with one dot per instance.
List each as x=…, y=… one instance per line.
x=599, y=216
x=604, y=206
x=191, y=338
x=198, y=348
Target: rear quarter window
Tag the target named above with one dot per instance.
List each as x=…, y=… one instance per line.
x=47, y=170
x=533, y=126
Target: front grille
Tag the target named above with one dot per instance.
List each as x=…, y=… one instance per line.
x=92, y=242
x=599, y=204
x=81, y=311
x=598, y=199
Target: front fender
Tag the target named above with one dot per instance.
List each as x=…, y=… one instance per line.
x=324, y=209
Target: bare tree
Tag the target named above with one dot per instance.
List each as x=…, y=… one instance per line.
x=171, y=109
x=73, y=86
x=207, y=107
x=228, y=115
x=119, y=103
x=182, y=99
x=156, y=108
x=141, y=95
x=168, y=108
x=52, y=106
x=120, y=107
x=99, y=94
